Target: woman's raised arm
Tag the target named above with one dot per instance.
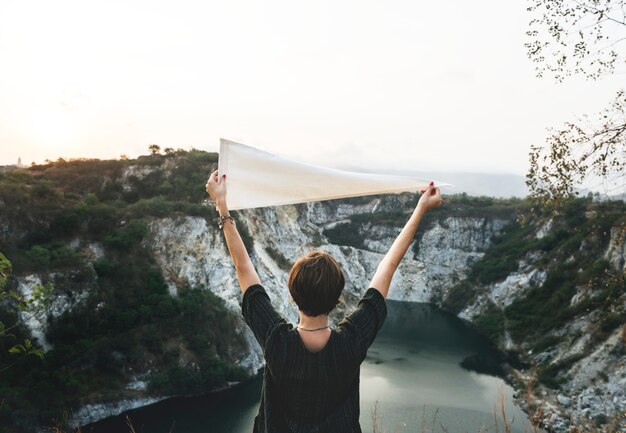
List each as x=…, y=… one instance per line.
x=431, y=198
x=246, y=274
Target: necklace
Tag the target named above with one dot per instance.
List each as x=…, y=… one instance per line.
x=311, y=330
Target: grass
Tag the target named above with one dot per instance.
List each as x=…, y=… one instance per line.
x=502, y=422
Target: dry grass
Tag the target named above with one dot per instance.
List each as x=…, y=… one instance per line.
x=501, y=421
x=58, y=428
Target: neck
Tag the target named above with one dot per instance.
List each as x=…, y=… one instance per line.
x=309, y=322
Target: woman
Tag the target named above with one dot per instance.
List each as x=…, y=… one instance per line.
x=311, y=378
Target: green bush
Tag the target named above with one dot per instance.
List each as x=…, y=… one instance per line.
x=459, y=296
x=345, y=234
x=178, y=380
x=242, y=228
x=279, y=258
x=64, y=256
x=491, y=322
x=40, y=256
x=612, y=321
x=125, y=238
x=103, y=267
x=155, y=206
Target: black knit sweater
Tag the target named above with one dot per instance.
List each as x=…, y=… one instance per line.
x=306, y=392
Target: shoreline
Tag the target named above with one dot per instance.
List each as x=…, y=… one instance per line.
x=94, y=413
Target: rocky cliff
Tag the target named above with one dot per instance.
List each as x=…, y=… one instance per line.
x=591, y=366
x=470, y=257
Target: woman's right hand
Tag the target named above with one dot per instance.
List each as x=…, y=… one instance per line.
x=216, y=188
x=431, y=198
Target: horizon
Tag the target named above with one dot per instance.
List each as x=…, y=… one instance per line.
x=514, y=188
x=506, y=185
x=346, y=167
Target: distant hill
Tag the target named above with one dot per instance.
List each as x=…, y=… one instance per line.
x=475, y=184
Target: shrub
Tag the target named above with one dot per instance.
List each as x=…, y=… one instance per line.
x=242, y=228
x=39, y=256
x=131, y=234
x=491, y=322
x=459, y=296
x=103, y=267
x=279, y=258
x=64, y=256
x=155, y=206
x=345, y=234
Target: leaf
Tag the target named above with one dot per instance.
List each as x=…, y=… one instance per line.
x=17, y=349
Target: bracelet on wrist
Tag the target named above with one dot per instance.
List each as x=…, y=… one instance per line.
x=222, y=219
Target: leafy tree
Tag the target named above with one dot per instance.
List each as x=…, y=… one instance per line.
x=155, y=149
x=5, y=271
x=595, y=148
x=33, y=305
x=574, y=37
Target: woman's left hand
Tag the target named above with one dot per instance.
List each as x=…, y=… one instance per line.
x=216, y=188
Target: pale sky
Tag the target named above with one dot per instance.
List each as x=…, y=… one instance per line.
x=426, y=85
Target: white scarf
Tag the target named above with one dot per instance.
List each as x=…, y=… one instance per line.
x=255, y=178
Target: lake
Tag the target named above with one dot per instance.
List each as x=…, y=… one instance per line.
x=412, y=375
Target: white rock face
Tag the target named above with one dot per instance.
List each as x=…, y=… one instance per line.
x=503, y=293
x=192, y=253
x=545, y=229
x=616, y=251
x=136, y=171
x=61, y=301
x=95, y=412
x=447, y=251
x=597, y=382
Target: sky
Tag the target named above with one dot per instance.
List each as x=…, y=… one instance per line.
x=414, y=85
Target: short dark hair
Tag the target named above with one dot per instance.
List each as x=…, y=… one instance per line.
x=315, y=283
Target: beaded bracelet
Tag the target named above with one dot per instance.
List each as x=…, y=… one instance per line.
x=222, y=219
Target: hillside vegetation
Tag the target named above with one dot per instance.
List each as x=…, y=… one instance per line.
x=47, y=213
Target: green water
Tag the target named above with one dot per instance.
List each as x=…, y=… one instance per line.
x=412, y=374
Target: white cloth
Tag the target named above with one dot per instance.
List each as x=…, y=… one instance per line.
x=255, y=178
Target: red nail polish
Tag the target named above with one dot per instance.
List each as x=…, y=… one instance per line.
x=422, y=191
x=431, y=184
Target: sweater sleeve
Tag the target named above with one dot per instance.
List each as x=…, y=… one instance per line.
x=367, y=319
x=259, y=313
